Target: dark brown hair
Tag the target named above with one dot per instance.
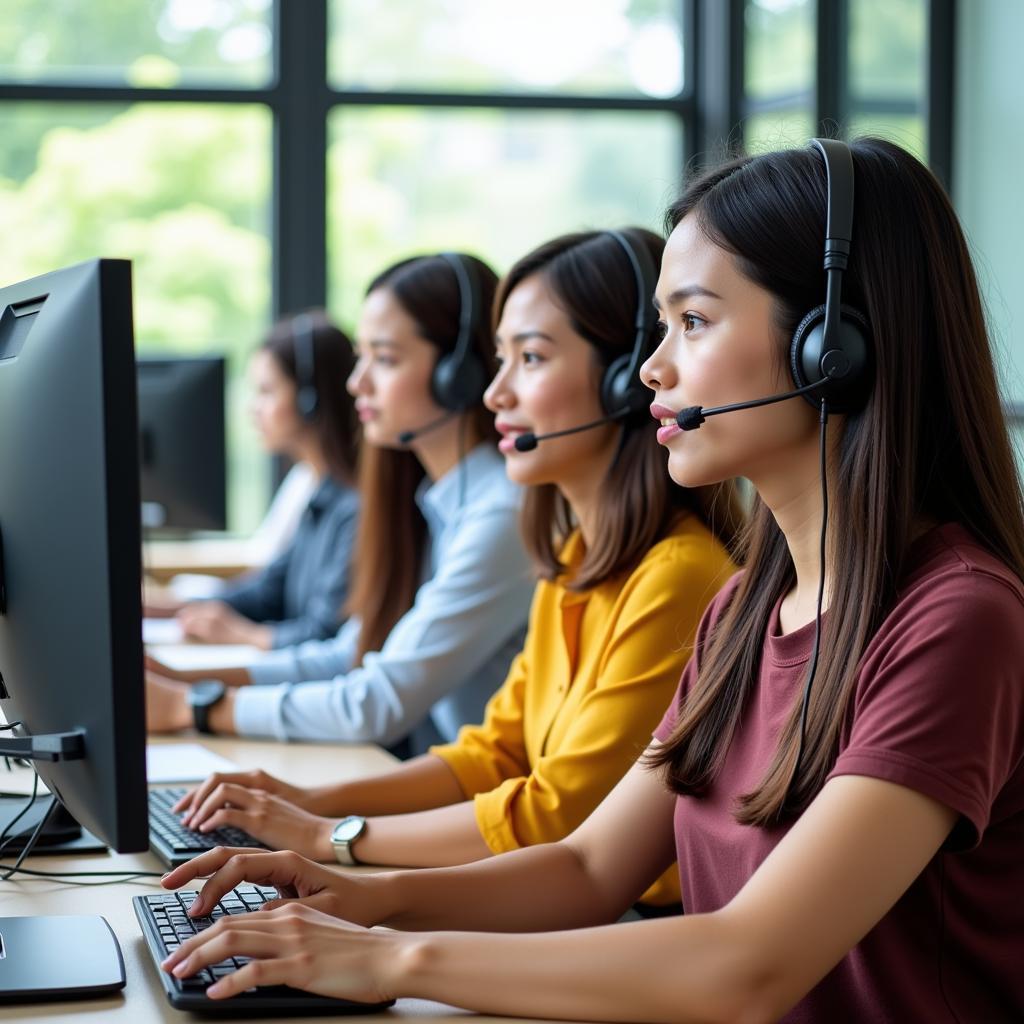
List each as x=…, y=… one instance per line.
x=392, y=532
x=591, y=278
x=334, y=420
x=930, y=446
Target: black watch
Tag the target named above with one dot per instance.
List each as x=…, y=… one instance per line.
x=201, y=697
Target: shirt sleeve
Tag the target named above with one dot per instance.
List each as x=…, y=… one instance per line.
x=329, y=586
x=313, y=660
x=638, y=671
x=259, y=596
x=939, y=708
x=484, y=755
x=460, y=617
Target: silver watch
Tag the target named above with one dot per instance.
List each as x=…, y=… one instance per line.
x=344, y=834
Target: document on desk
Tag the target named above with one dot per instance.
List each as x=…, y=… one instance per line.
x=183, y=762
x=183, y=657
x=162, y=631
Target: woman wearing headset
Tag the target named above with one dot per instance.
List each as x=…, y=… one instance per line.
x=441, y=584
x=626, y=560
x=872, y=871
x=301, y=412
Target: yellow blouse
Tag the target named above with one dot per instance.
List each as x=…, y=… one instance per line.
x=579, y=704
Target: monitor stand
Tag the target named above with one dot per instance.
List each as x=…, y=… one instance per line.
x=49, y=958
x=62, y=833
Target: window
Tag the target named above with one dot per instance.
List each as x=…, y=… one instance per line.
x=160, y=43
x=254, y=156
x=579, y=170
x=859, y=65
x=584, y=47
x=779, y=56
x=180, y=190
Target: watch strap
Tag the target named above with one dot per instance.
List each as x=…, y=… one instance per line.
x=201, y=708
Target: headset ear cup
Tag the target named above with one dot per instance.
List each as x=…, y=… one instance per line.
x=853, y=350
x=615, y=389
x=798, y=346
x=306, y=402
x=458, y=384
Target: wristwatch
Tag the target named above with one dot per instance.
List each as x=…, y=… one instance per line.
x=344, y=834
x=201, y=697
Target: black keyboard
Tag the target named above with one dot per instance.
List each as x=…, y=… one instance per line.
x=173, y=843
x=165, y=925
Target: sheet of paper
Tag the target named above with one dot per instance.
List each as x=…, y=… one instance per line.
x=183, y=762
x=182, y=657
x=162, y=631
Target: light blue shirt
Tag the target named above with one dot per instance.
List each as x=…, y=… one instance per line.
x=444, y=658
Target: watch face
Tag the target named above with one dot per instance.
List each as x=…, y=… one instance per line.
x=347, y=829
x=207, y=692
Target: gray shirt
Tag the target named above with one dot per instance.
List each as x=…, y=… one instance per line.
x=301, y=593
x=444, y=658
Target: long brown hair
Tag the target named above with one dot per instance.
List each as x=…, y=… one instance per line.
x=931, y=445
x=392, y=533
x=334, y=420
x=591, y=278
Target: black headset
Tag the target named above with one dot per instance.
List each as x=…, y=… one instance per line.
x=831, y=346
x=460, y=378
x=622, y=391
x=306, y=397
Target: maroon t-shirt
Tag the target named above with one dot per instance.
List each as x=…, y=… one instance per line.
x=938, y=707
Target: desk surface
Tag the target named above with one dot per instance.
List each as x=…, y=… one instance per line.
x=215, y=556
x=142, y=999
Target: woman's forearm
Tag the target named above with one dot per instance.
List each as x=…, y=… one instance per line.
x=672, y=971
x=425, y=839
x=417, y=785
x=538, y=888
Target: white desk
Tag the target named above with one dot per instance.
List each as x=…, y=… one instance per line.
x=142, y=1000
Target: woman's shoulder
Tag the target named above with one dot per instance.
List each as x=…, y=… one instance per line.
x=953, y=577
x=486, y=486
x=689, y=542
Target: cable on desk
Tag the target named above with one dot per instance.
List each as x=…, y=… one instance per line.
x=31, y=842
x=118, y=877
x=5, y=839
x=126, y=875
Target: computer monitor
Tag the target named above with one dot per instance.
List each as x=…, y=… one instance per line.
x=181, y=422
x=71, y=663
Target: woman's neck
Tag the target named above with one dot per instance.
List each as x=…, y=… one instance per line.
x=442, y=449
x=312, y=456
x=584, y=491
x=793, y=494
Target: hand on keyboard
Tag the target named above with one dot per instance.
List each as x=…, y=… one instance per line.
x=256, y=778
x=270, y=818
x=292, y=945
x=352, y=897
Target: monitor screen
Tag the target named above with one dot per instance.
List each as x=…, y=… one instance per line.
x=70, y=574
x=181, y=423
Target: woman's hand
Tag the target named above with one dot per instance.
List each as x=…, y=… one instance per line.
x=298, y=946
x=190, y=803
x=272, y=819
x=355, y=898
x=214, y=622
